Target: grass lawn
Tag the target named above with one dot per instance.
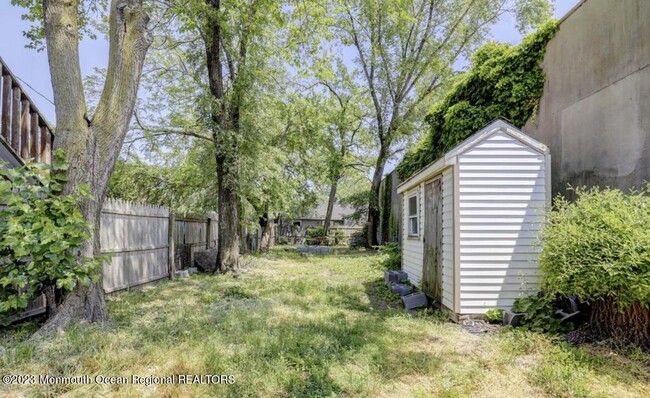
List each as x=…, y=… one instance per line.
x=308, y=326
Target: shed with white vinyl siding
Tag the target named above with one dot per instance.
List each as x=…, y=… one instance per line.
x=471, y=220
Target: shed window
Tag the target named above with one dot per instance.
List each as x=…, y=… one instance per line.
x=413, y=216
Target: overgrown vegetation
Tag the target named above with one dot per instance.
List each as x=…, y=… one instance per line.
x=503, y=82
x=41, y=235
x=540, y=314
x=318, y=236
x=494, y=315
x=598, y=248
x=300, y=327
x=390, y=256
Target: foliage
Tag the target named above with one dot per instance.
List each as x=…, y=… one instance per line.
x=405, y=53
x=42, y=234
x=359, y=202
x=540, y=314
x=390, y=256
x=88, y=13
x=494, y=315
x=599, y=246
x=184, y=183
x=503, y=82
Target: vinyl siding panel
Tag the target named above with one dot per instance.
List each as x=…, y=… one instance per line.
x=502, y=198
x=412, y=247
x=448, y=238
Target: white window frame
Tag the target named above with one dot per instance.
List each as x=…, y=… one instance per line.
x=410, y=217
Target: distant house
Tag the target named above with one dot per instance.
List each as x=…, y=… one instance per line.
x=341, y=217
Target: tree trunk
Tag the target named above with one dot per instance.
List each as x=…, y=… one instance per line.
x=373, y=205
x=225, y=134
x=92, y=147
x=228, y=245
x=330, y=206
x=629, y=326
x=265, y=226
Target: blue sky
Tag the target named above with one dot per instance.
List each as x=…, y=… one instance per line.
x=31, y=66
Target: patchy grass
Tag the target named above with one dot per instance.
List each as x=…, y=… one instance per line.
x=308, y=326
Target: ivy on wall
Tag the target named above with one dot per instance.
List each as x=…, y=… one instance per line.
x=386, y=207
x=504, y=81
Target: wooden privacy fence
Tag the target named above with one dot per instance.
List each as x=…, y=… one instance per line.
x=143, y=248
x=23, y=130
x=193, y=232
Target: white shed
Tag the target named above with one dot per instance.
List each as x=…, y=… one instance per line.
x=471, y=221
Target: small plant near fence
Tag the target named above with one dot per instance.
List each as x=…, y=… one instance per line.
x=42, y=234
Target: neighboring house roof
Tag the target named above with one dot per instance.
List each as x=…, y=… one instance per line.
x=338, y=212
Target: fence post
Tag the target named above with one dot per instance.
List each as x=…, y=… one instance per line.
x=208, y=233
x=170, y=245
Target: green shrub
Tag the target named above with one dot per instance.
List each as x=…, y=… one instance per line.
x=494, y=315
x=316, y=236
x=42, y=234
x=338, y=236
x=540, y=314
x=390, y=256
x=599, y=246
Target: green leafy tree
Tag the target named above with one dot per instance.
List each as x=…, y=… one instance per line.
x=42, y=236
x=405, y=51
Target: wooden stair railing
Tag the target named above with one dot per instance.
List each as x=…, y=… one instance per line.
x=23, y=129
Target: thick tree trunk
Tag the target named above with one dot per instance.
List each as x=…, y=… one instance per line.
x=629, y=326
x=92, y=147
x=330, y=206
x=373, y=205
x=225, y=135
x=228, y=247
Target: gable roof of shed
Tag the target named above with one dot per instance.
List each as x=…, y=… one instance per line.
x=448, y=159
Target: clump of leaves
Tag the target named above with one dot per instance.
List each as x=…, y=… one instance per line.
x=390, y=257
x=503, y=82
x=540, y=314
x=494, y=315
x=599, y=246
x=42, y=234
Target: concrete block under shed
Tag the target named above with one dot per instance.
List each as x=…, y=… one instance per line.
x=415, y=300
x=395, y=276
x=401, y=289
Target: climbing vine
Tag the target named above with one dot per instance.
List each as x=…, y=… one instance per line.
x=386, y=208
x=504, y=81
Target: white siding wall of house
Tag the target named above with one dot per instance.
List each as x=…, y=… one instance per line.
x=412, y=247
x=448, y=238
x=502, y=194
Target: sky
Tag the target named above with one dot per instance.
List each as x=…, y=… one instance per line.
x=31, y=66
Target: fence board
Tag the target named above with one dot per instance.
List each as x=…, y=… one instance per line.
x=135, y=237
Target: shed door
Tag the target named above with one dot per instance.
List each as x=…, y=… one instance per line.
x=432, y=267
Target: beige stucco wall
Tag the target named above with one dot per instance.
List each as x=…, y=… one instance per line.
x=595, y=111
